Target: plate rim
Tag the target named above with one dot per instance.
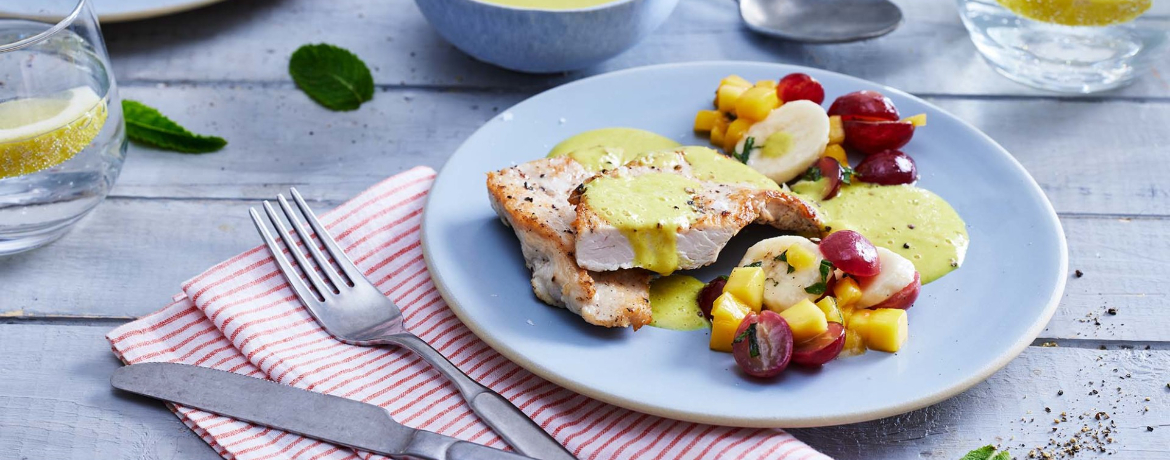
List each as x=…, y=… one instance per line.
x=1022, y=342
x=112, y=18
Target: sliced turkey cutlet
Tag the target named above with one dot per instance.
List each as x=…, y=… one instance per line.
x=533, y=199
x=677, y=209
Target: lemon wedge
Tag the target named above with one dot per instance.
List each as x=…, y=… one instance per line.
x=42, y=132
x=1079, y=12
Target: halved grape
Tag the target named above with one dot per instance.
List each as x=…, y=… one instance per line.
x=891, y=167
x=871, y=137
x=763, y=344
x=822, y=348
x=799, y=86
x=852, y=253
x=709, y=293
x=864, y=105
x=832, y=173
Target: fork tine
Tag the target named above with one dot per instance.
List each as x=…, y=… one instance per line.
x=302, y=291
x=322, y=262
x=306, y=267
x=339, y=256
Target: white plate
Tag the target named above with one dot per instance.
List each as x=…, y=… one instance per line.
x=963, y=328
x=110, y=11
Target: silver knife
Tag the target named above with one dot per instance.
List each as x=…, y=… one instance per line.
x=319, y=416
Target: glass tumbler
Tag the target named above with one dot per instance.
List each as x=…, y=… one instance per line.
x=62, y=138
x=1073, y=46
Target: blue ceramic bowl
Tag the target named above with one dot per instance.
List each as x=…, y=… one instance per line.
x=544, y=41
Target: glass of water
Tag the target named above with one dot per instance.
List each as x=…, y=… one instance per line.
x=1075, y=46
x=62, y=139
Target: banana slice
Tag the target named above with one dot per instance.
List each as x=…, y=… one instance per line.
x=781, y=288
x=788, y=141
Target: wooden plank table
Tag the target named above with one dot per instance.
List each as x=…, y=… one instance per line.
x=1101, y=160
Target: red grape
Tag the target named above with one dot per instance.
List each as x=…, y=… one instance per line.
x=875, y=136
x=822, y=348
x=763, y=344
x=891, y=167
x=864, y=105
x=799, y=86
x=852, y=253
x=709, y=293
x=904, y=298
x=830, y=170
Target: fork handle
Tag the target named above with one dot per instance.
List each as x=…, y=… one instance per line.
x=519, y=431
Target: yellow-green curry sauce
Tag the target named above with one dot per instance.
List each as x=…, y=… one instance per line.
x=674, y=303
x=664, y=200
x=911, y=221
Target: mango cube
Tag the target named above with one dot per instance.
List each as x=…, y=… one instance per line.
x=734, y=133
x=747, y=285
x=854, y=344
x=800, y=258
x=705, y=120
x=806, y=320
x=755, y=103
x=835, y=151
x=726, y=97
x=917, y=120
x=735, y=80
x=766, y=84
x=726, y=314
x=828, y=305
x=717, y=135
x=882, y=329
x=836, y=130
x=847, y=292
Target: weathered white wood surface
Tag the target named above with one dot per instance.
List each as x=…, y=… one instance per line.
x=1101, y=160
x=929, y=53
x=150, y=246
x=83, y=418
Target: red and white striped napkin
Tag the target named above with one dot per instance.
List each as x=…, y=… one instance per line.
x=240, y=316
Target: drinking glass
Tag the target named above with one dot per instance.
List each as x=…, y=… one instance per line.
x=1073, y=46
x=62, y=138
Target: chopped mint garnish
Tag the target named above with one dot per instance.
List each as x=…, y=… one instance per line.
x=813, y=174
x=332, y=76
x=783, y=257
x=755, y=264
x=147, y=125
x=823, y=284
x=748, y=145
x=753, y=341
x=847, y=175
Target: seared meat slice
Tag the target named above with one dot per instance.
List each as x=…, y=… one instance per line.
x=677, y=209
x=533, y=199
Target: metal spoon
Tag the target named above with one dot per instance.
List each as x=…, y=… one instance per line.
x=821, y=21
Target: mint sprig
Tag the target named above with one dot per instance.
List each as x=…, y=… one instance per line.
x=146, y=125
x=823, y=284
x=987, y=453
x=333, y=76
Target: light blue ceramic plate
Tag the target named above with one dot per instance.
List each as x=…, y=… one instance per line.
x=963, y=328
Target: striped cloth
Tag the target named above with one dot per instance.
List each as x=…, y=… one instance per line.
x=241, y=316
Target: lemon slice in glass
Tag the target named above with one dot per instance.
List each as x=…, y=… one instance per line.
x=41, y=132
x=1079, y=12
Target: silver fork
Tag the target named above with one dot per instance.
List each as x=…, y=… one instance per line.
x=351, y=309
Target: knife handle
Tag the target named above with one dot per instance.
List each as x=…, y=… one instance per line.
x=426, y=445
x=519, y=431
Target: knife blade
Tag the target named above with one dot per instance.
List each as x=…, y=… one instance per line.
x=315, y=415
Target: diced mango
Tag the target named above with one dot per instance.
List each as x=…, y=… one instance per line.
x=766, y=84
x=828, y=305
x=705, y=120
x=734, y=133
x=735, y=80
x=882, y=329
x=806, y=320
x=917, y=120
x=755, y=103
x=800, y=258
x=836, y=130
x=717, y=135
x=847, y=291
x=837, y=152
x=854, y=344
x=747, y=285
x=727, y=96
x=726, y=314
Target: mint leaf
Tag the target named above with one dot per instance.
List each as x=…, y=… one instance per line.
x=146, y=125
x=332, y=76
x=783, y=257
x=982, y=453
x=1002, y=455
x=753, y=341
x=755, y=264
x=847, y=174
x=823, y=284
x=748, y=145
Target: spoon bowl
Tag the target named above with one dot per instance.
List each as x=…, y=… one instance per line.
x=821, y=21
